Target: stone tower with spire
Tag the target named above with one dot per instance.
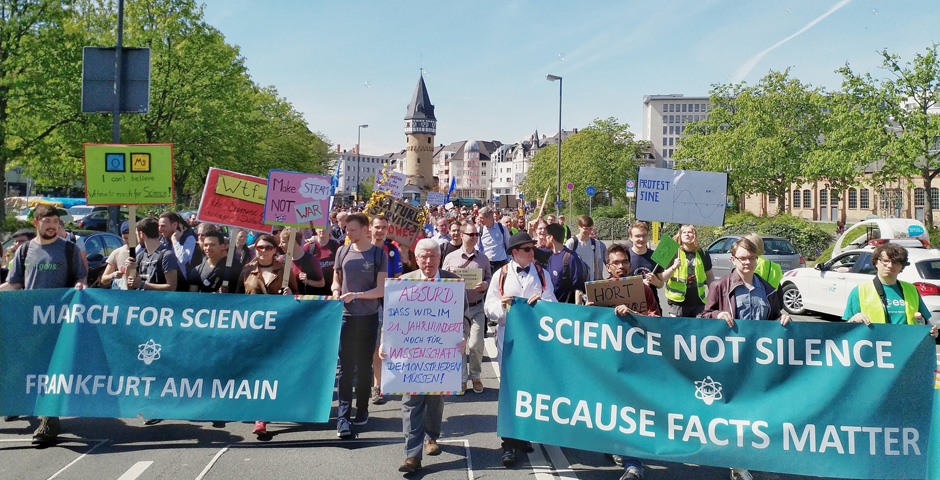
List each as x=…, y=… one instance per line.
x=420, y=127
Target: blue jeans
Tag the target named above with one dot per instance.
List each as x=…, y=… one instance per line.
x=356, y=346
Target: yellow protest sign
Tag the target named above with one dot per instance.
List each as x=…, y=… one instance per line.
x=129, y=174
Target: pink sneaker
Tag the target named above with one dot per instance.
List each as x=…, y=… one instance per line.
x=260, y=428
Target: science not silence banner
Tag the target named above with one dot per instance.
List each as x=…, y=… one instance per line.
x=843, y=400
x=113, y=353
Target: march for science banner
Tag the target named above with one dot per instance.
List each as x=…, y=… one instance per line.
x=844, y=400
x=193, y=356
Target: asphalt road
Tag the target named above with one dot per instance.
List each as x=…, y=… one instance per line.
x=126, y=449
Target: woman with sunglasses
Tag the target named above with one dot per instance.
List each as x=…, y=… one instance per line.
x=264, y=275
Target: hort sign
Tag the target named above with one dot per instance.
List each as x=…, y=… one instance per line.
x=128, y=174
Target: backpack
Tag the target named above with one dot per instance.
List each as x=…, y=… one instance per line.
x=70, y=267
x=566, y=275
x=505, y=269
x=502, y=228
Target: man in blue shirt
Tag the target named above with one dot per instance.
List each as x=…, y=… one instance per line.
x=494, y=239
x=564, y=266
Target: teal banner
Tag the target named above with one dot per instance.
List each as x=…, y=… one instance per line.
x=821, y=399
x=192, y=356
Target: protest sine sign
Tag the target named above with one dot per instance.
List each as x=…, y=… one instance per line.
x=234, y=199
x=723, y=398
x=295, y=199
x=627, y=291
x=681, y=196
x=129, y=174
x=422, y=325
x=119, y=354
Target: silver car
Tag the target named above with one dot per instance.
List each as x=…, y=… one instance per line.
x=776, y=249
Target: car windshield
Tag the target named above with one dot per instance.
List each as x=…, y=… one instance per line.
x=777, y=246
x=929, y=269
x=80, y=209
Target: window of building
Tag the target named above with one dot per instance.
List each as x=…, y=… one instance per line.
x=934, y=200
x=665, y=141
x=773, y=198
x=671, y=140
x=853, y=198
x=665, y=129
x=918, y=197
x=796, y=199
x=807, y=199
x=834, y=198
x=685, y=107
x=823, y=198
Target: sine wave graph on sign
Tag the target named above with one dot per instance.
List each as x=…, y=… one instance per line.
x=707, y=207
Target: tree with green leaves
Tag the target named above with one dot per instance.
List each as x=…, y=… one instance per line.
x=904, y=111
x=761, y=135
x=40, y=95
x=603, y=155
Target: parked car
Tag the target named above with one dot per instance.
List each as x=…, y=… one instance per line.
x=97, y=220
x=826, y=287
x=777, y=249
x=98, y=246
x=27, y=215
x=79, y=211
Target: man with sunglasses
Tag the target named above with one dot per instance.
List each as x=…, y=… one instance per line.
x=468, y=257
x=521, y=277
x=885, y=299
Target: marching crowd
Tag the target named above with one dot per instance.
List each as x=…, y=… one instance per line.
x=537, y=259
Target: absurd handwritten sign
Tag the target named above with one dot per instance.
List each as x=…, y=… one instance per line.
x=297, y=199
x=403, y=223
x=423, y=324
x=624, y=291
x=135, y=174
x=436, y=198
x=234, y=200
x=681, y=196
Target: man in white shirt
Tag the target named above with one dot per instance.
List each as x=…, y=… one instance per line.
x=521, y=277
x=494, y=239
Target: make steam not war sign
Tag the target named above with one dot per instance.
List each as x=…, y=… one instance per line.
x=297, y=199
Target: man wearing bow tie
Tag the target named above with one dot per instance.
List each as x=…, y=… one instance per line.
x=521, y=277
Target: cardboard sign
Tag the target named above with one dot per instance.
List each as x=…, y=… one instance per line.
x=422, y=326
x=403, y=225
x=508, y=201
x=627, y=291
x=394, y=184
x=665, y=252
x=137, y=174
x=472, y=276
x=234, y=200
x=297, y=199
x=436, y=198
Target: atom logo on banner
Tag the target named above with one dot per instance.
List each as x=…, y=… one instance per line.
x=708, y=390
x=148, y=352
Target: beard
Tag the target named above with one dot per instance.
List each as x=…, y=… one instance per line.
x=46, y=235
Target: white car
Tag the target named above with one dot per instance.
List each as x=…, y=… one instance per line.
x=826, y=287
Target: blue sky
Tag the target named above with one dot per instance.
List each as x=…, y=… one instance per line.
x=348, y=63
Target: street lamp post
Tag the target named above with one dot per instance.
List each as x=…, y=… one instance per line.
x=552, y=78
x=358, y=154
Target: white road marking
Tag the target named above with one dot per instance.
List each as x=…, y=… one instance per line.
x=135, y=471
x=561, y=465
x=80, y=457
x=540, y=467
x=218, y=455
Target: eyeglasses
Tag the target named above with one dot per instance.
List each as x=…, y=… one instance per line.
x=264, y=248
x=746, y=259
x=472, y=234
x=888, y=262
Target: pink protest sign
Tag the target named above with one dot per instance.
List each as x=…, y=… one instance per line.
x=297, y=199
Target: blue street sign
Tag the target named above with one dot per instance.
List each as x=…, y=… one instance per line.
x=558, y=203
x=590, y=191
x=520, y=196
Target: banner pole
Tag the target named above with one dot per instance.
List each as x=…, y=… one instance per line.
x=288, y=258
x=230, y=258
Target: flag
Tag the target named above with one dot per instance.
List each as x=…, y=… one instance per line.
x=334, y=181
x=453, y=186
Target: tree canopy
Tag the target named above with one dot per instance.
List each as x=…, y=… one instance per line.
x=603, y=155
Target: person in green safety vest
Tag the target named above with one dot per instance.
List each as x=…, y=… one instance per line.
x=885, y=299
x=688, y=275
x=770, y=271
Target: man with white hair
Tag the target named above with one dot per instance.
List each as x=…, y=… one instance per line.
x=421, y=415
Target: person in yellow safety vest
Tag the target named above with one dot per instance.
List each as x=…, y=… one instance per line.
x=885, y=299
x=691, y=271
x=769, y=270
